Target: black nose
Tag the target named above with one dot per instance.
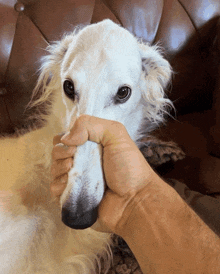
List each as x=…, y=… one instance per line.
x=81, y=221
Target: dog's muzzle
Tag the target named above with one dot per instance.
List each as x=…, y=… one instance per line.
x=85, y=188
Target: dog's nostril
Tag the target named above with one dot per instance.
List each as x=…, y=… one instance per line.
x=81, y=221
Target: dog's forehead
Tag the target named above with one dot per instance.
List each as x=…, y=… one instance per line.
x=100, y=44
x=106, y=35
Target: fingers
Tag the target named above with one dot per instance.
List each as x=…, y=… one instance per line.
x=60, y=167
x=58, y=185
x=57, y=138
x=61, y=151
x=62, y=162
x=59, y=175
x=62, y=157
x=97, y=130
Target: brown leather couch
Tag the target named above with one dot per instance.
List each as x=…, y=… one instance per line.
x=189, y=32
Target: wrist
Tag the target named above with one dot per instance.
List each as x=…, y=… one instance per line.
x=164, y=233
x=143, y=205
x=147, y=226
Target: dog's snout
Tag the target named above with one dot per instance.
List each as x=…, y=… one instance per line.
x=85, y=188
x=79, y=220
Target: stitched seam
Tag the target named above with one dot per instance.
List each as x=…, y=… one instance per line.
x=94, y=7
x=44, y=37
x=190, y=18
x=6, y=71
x=9, y=117
x=9, y=58
x=116, y=16
x=153, y=42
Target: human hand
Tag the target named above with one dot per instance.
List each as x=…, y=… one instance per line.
x=126, y=170
x=62, y=161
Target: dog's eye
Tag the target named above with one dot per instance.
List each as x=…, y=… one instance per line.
x=123, y=94
x=69, y=89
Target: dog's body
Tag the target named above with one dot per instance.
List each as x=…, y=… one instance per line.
x=102, y=71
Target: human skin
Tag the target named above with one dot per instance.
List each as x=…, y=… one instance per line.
x=164, y=233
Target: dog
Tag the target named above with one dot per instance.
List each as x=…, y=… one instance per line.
x=100, y=70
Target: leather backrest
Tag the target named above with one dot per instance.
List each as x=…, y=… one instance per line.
x=185, y=29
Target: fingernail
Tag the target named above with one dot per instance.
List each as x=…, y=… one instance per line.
x=65, y=147
x=65, y=136
x=61, y=133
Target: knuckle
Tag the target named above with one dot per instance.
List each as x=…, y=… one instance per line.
x=68, y=163
x=55, y=153
x=118, y=127
x=64, y=179
x=61, y=151
x=61, y=179
x=60, y=167
x=117, y=124
x=83, y=118
x=53, y=172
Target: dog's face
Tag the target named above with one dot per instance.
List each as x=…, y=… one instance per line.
x=100, y=74
x=105, y=72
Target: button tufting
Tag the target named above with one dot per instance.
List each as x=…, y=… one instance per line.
x=3, y=91
x=19, y=7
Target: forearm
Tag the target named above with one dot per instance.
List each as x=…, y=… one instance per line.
x=166, y=235
x=206, y=206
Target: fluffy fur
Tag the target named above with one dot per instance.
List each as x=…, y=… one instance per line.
x=99, y=59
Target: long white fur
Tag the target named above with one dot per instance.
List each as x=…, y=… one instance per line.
x=99, y=59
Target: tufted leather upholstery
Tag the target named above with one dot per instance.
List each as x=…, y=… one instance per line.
x=189, y=31
x=186, y=29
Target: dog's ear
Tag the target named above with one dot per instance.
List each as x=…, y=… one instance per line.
x=154, y=65
x=156, y=74
x=49, y=77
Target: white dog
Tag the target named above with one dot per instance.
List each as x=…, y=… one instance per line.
x=100, y=70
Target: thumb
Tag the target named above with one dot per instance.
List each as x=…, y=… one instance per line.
x=111, y=205
x=100, y=131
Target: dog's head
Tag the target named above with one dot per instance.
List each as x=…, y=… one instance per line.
x=104, y=71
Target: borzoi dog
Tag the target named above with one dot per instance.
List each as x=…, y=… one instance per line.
x=101, y=70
